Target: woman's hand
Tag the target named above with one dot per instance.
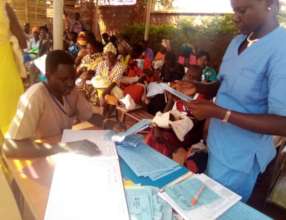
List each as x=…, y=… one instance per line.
x=203, y=109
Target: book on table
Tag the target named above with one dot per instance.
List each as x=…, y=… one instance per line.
x=211, y=198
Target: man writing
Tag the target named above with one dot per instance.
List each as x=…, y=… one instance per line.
x=46, y=109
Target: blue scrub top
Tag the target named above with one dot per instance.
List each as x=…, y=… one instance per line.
x=252, y=82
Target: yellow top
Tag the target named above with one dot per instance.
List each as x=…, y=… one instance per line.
x=11, y=86
x=4, y=24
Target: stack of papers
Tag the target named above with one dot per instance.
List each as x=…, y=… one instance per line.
x=87, y=188
x=212, y=202
x=139, y=126
x=145, y=204
x=146, y=162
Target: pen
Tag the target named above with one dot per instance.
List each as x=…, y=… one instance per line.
x=197, y=195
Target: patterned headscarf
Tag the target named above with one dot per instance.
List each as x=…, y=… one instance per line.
x=110, y=48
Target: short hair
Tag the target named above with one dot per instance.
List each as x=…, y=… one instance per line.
x=203, y=53
x=96, y=45
x=55, y=58
x=44, y=28
x=171, y=57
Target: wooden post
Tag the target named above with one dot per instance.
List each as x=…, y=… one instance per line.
x=148, y=16
x=26, y=12
x=96, y=23
x=58, y=24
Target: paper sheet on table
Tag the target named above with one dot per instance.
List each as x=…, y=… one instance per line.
x=145, y=204
x=176, y=93
x=87, y=188
x=139, y=126
x=144, y=161
x=40, y=63
x=212, y=203
x=102, y=138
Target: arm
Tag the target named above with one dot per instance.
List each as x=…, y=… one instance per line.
x=263, y=123
x=15, y=27
x=207, y=89
x=28, y=148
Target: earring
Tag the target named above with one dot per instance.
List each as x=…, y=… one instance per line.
x=269, y=8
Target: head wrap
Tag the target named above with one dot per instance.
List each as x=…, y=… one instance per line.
x=125, y=45
x=81, y=39
x=110, y=48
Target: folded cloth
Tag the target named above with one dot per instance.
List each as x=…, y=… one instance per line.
x=182, y=127
x=128, y=102
x=178, y=121
x=100, y=82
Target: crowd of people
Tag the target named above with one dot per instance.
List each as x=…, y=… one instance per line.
x=233, y=115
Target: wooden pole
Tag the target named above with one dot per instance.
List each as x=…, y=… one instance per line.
x=148, y=16
x=96, y=23
x=26, y=12
x=58, y=24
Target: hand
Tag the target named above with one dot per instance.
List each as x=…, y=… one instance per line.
x=203, y=109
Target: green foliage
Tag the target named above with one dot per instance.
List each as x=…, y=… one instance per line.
x=187, y=30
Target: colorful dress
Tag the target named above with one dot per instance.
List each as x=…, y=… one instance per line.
x=104, y=77
x=11, y=86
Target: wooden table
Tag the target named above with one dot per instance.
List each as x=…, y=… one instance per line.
x=31, y=184
x=32, y=180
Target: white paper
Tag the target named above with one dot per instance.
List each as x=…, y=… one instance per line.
x=154, y=88
x=40, y=63
x=102, y=138
x=209, y=211
x=176, y=93
x=134, y=129
x=86, y=188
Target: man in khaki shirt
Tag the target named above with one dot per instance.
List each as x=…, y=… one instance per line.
x=46, y=109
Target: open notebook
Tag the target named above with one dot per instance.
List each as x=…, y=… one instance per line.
x=213, y=201
x=85, y=187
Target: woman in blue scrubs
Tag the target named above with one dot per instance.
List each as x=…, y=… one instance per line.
x=250, y=103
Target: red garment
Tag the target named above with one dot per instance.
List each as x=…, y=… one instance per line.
x=147, y=63
x=136, y=91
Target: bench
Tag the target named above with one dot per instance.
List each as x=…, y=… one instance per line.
x=131, y=117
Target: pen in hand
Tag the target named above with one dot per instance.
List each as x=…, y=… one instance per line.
x=197, y=195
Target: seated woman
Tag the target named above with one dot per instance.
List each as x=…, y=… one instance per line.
x=161, y=54
x=130, y=81
x=170, y=72
x=81, y=43
x=107, y=79
x=165, y=140
x=124, y=51
x=208, y=73
x=92, y=59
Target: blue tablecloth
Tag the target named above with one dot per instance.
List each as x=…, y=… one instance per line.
x=239, y=211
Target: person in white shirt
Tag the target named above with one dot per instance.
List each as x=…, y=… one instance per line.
x=47, y=108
